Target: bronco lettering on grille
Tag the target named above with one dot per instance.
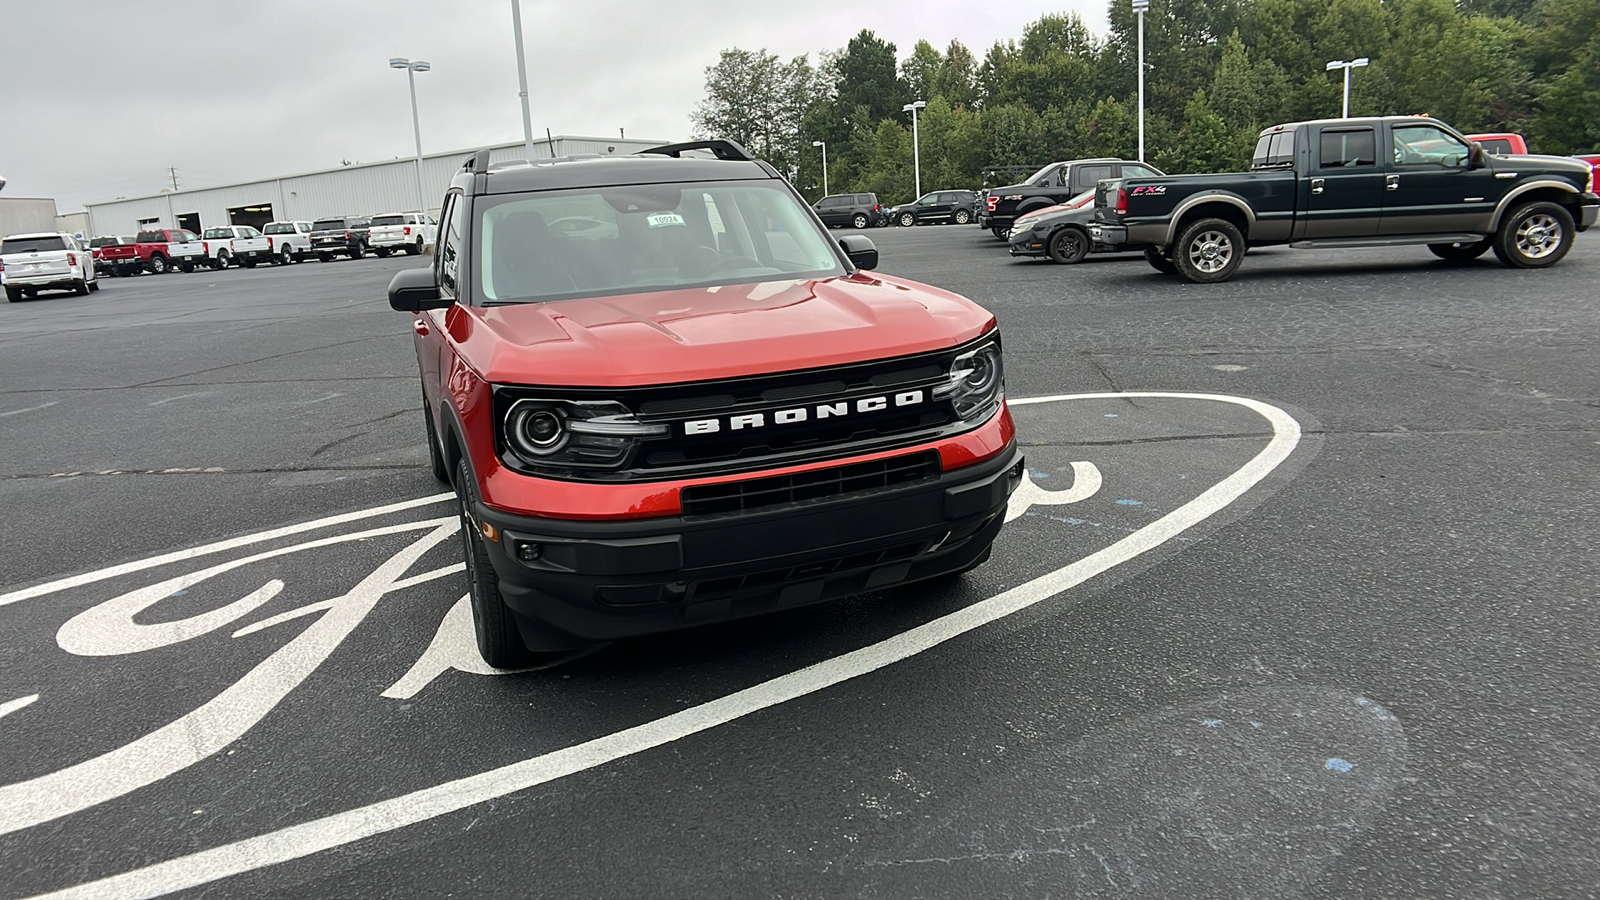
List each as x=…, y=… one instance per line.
x=799, y=414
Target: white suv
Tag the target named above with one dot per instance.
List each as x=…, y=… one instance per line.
x=288, y=241
x=411, y=232
x=30, y=263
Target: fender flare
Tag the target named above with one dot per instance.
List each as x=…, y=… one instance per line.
x=1519, y=190
x=1226, y=197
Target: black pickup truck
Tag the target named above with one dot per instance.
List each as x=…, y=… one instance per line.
x=1054, y=184
x=1348, y=183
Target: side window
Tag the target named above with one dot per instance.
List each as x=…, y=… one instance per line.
x=450, y=246
x=1428, y=145
x=1356, y=148
x=1084, y=178
x=1130, y=171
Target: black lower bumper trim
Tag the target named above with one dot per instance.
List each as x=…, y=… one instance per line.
x=570, y=582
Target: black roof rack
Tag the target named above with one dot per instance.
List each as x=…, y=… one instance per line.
x=719, y=149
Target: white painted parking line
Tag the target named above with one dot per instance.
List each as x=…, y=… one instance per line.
x=18, y=412
x=40, y=590
x=11, y=706
x=385, y=816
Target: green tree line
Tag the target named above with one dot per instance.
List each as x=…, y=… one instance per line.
x=1217, y=72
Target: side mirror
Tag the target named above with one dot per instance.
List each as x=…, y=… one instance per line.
x=413, y=290
x=1475, y=156
x=858, y=248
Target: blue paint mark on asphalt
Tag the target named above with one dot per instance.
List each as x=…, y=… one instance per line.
x=1339, y=765
x=1211, y=723
x=1111, y=415
x=1130, y=502
x=1036, y=474
x=1255, y=724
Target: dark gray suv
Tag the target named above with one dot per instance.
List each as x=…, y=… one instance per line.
x=937, y=207
x=855, y=210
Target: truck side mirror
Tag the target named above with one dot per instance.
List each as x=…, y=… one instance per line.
x=858, y=248
x=413, y=290
x=1475, y=156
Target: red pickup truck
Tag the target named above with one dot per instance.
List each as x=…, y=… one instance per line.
x=116, y=255
x=164, y=249
x=1501, y=143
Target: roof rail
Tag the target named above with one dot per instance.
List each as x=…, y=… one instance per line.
x=719, y=149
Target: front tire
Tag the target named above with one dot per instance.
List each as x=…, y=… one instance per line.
x=962, y=217
x=1209, y=251
x=1068, y=246
x=1534, y=236
x=907, y=220
x=499, y=643
x=860, y=221
x=1461, y=252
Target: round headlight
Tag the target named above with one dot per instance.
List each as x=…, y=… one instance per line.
x=537, y=432
x=980, y=378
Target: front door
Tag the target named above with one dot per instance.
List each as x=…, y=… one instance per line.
x=1430, y=187
x=1342, y=194
x=934, y=207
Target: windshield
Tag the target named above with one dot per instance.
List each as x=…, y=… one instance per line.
x=280, y=228
x=636, y=238
x=388, y=220
x=1039, y=176
x=212, y=233
x=32, y=244
x=328, y=225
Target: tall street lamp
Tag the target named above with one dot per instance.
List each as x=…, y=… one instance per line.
x=916, y=152
x=412, y=67
x=1347, y=66
x=522, y=82
x=824, y=146
x=1139, y=7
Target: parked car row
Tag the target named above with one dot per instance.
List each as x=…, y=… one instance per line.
x=161, y=250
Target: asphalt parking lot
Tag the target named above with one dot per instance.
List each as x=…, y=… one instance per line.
x=1298, y=604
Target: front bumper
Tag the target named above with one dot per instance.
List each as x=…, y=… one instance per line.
x=604, y=580
x=1587, y=211
x=1029, y=243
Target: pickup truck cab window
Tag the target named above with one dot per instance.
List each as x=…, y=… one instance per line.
x=1428, y=145
x=1348, y=149
x=1133, y=171
x=1274, y=151
x=1084, y=178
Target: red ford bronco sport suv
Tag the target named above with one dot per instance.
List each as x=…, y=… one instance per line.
x=696, y=407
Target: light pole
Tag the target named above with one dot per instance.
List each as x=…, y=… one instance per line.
x=1139, y=7
x=522, y=82
x=412, y=67
x=824, y=164
x=1347, y=66
x=916, y=151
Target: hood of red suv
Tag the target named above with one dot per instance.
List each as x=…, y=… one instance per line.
x=697, y=334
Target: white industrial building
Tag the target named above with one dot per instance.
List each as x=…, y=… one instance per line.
x=356, y=190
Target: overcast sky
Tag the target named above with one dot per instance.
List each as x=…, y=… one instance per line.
x=99, y=98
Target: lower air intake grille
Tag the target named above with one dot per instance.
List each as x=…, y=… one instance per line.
x=839, y=481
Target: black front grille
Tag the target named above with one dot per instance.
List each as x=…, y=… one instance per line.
x=800, y=487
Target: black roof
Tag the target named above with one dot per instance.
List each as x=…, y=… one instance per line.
x=594, y=171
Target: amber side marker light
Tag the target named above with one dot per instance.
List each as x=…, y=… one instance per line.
x=491, y=532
